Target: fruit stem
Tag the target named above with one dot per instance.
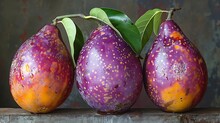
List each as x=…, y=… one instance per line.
x=55, y=21
x=170, y=13
x=67, y=16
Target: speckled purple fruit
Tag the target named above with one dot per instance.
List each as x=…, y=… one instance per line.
x=175, y=72
x=108, y=73
x=41, y=75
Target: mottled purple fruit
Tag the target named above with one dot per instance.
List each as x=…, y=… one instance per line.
x=108, y=74
x=41, y=75
x=175, y=72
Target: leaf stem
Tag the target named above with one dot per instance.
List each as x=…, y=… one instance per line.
x=170, y=13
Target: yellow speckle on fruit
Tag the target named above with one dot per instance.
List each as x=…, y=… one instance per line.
x=150, y=80
x=103, y=83
x=177, y=98
x=27, y=68
x=106, y=99
x=102, y=33
x=176, y=35
x=176, y=47
x=47, y=32
x=200, y=61
x=194, y=59
x=53, y=67
x=104, y=38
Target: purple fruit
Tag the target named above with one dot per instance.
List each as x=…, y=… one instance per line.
x=175, y=72
x=41, y=75
x=108, y=74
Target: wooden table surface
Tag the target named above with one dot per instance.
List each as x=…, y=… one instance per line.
x=199, y=115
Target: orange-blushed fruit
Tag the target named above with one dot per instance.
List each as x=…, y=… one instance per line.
x=175, y=72
x=41, y=74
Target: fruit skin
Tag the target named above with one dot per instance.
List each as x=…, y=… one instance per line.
x=108, y=74
x=41, y=75
x=175, y=72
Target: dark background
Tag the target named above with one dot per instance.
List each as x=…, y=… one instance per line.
x=199, y=19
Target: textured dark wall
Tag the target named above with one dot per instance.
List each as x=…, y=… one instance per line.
x=200, y=20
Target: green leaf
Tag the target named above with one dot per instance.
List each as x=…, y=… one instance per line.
x=122, y=24
x=117, y=17
x=157, y=22
x=99, y=14
x=78, y=43
x=147, y=23
x=130, y=36
x=75, y=38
